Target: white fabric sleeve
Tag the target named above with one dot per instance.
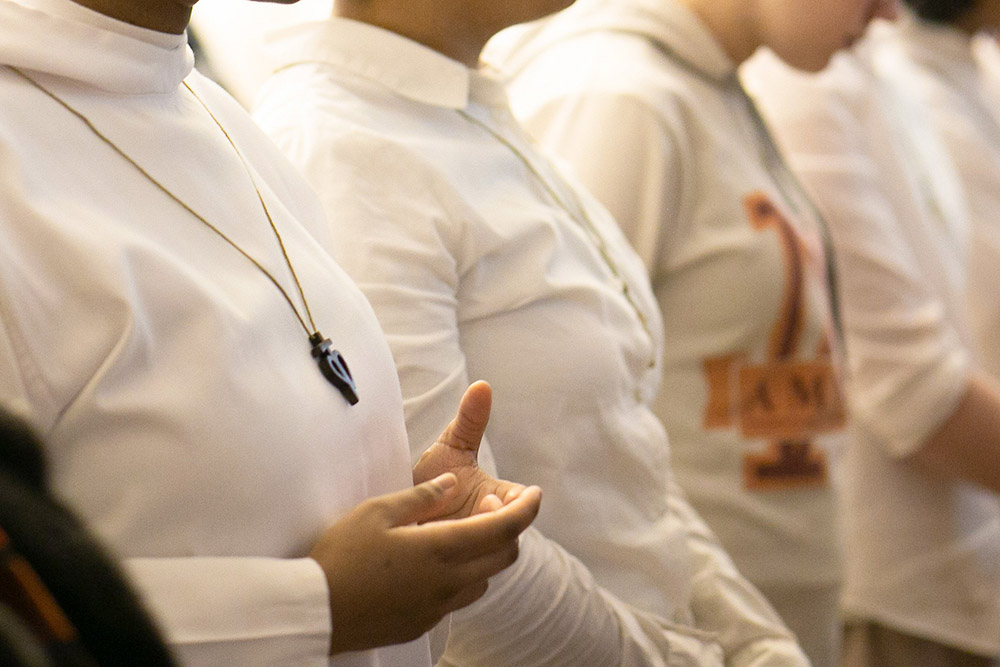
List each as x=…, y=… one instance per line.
x=402, y=245
x=626, y=155
x=551, y=597
x=725, y=604
x=907, y=368
x=976, y=152
x=238, y=611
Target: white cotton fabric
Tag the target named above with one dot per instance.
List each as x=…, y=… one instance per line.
x=643, y=102
x=481, y=266
x=184, y=417
x=936, y=63
x=987, y=51
x=923, y=555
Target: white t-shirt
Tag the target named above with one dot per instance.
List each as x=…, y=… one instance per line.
x=644, y=103
x=936, y=63
x=923, y=555
x=184, y=417
x=482, y=261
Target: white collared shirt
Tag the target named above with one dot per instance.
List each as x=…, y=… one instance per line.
x=482, y=261
x=184, y=418
x=923, y=554
x=644, y=103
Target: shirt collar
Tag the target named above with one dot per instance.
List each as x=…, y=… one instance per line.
x=64, y=39
x=405, y=67
x=672, y=27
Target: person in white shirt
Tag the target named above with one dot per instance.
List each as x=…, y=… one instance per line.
x=481, y=260
x=921, y=512
x=642, y=99
x=164, y=279
x=931, y=52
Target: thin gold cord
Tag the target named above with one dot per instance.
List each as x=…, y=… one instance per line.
x=190, y=210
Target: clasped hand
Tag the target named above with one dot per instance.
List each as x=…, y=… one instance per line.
x=396, y=564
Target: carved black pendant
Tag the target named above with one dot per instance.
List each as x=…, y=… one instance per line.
x=334, y=367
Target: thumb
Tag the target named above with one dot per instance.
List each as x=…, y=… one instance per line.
x=467, y=428
x=418, y=503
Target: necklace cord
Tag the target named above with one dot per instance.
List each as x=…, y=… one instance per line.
x=188, y=208
x=267, y=213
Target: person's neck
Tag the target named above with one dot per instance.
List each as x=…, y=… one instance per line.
x=422, y=22
x=170, y=16
x=731, y=23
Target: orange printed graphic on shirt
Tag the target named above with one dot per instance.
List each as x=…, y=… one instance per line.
x=718, y=374
x=782, y=400
x=786, y=399
x=786, y=464
x=787, y=329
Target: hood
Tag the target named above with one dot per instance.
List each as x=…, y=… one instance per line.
x=63, y=39
x=669, y=25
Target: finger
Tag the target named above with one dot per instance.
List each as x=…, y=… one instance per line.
x=489, y=503
x=418, y=503
x=463, y=540
x=467, y=428
x=506, y=491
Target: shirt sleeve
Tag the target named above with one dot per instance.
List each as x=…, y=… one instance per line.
x=963, y=118
x=631, y=164
x=549, y=596
x=238, y=611
x=907, y=365
x=403, y=246
x=728, y=606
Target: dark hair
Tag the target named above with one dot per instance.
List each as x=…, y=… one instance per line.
x=941, y=11
x=77, y=574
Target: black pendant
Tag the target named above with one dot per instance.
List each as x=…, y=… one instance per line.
x=334, y=367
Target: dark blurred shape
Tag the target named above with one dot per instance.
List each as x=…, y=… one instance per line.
x=63, y=600
x=940, y=11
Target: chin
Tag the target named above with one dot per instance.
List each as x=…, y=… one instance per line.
x=812, y=63
x=815, y=67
